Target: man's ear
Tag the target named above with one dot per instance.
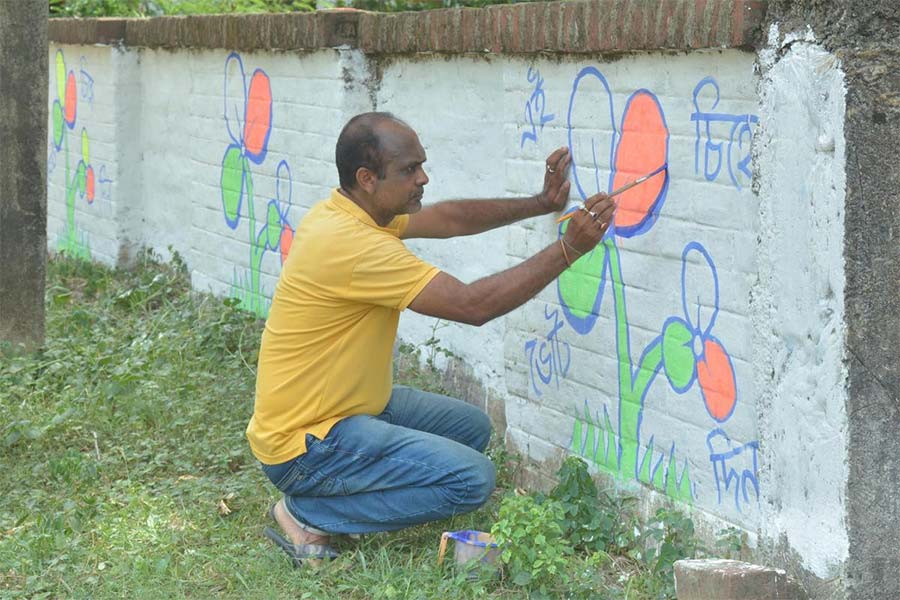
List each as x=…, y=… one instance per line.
x=365, y=179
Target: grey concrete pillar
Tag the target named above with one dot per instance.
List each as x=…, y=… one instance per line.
x=872, y=306
x=23, y=171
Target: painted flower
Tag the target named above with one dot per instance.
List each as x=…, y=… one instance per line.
x=690, y=351
x=638, y=146
x=248, y=118
x=279, y=233
x=65, y=106
x=64, y=112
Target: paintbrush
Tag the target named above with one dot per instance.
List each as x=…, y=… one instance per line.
x=616, y=192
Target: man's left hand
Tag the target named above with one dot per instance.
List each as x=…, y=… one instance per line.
x=556, y=186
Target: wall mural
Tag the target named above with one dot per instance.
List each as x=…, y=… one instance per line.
x=82, y=182
x=686, y=350
x=248, y=121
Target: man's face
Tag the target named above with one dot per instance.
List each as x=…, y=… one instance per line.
x=401, y=189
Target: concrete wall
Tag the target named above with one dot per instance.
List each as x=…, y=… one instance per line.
x=699, y=354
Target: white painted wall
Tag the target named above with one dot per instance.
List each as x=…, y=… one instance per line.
x=754, y=266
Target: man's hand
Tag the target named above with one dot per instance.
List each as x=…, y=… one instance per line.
x=556, y=187
x=589, y=224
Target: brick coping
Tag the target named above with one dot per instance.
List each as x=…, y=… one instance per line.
x=571, y=27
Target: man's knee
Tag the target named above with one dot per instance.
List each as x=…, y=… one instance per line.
x=482, y=483
x=483, y=429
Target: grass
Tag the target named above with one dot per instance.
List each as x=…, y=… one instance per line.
x=126, y=472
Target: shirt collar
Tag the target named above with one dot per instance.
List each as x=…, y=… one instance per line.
x=355, y=210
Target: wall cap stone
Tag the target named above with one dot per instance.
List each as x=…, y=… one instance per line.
x=571, y=27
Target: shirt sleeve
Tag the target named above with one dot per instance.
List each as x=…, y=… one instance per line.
x=388, y=274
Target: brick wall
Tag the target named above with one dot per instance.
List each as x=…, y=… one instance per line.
x=665, y=358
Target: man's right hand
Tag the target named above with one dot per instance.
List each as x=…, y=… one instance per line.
x=589, y=223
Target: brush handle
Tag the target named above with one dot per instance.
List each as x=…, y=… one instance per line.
x=618, y=191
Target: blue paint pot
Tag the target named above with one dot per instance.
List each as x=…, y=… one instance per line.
x=470, y=545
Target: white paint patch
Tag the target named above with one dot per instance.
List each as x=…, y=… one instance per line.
x=798, y=300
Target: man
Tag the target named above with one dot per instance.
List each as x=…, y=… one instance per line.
x=351, y=453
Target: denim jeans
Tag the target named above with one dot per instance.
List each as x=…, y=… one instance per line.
x=420, y=460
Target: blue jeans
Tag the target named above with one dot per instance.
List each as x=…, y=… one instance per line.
x=420, y=460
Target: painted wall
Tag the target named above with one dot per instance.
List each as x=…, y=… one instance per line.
x=679, y=358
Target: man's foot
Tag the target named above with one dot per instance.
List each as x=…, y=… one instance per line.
x=296, y=534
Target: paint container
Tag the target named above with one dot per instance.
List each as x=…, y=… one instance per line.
x=470, y=545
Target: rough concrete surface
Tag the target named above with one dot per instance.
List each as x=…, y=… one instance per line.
x=23, y=171
x=714, y=579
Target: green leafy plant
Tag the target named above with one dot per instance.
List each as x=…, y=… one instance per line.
x=424, y=374
x=155, y=8
x=668, y=537
x=593, y=520
x=531, y=542
x=729, y=542
x=414, y=5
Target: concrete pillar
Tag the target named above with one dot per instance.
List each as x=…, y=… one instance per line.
x=23, y=171
x=864, y=35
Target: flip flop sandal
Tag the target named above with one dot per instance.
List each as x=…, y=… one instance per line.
x=301, y=552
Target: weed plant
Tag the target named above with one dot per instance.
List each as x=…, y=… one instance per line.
x=126, y=473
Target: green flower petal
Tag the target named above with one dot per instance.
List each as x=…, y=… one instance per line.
x=57, y=123
x=60, y=76
x=273, y=226
x=232, y=184
x=678, y=353
x=85, y=147
x=81, y=178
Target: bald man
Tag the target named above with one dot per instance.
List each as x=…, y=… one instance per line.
x=350, y=452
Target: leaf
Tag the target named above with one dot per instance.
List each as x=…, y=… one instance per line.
x=678, y=354
x=273, y=226
x=232, y=183
x=521, y=578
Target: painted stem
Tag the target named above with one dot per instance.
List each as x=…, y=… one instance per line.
x=254, y=303
x=633, y=385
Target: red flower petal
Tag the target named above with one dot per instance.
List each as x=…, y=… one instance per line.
x=642, y=149
x=89, y=184
x=71, y=99
x=259, y=116
x=287, y=238
x=716, y=377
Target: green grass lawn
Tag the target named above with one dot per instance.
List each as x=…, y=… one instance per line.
x=126, y=473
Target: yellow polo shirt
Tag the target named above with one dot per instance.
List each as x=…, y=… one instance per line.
x=327, y=347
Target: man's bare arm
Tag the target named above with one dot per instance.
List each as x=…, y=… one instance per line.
x=454, y=218
x=477, y=303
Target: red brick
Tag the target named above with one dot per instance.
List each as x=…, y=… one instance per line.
x=552, y=18
x=406, y=27
x=638, y=32
x=714, y=25
x=578, y=33
x=606, y=19
x=467, y=22
x=701, y=23
x=495, y=13
x=746, y=18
